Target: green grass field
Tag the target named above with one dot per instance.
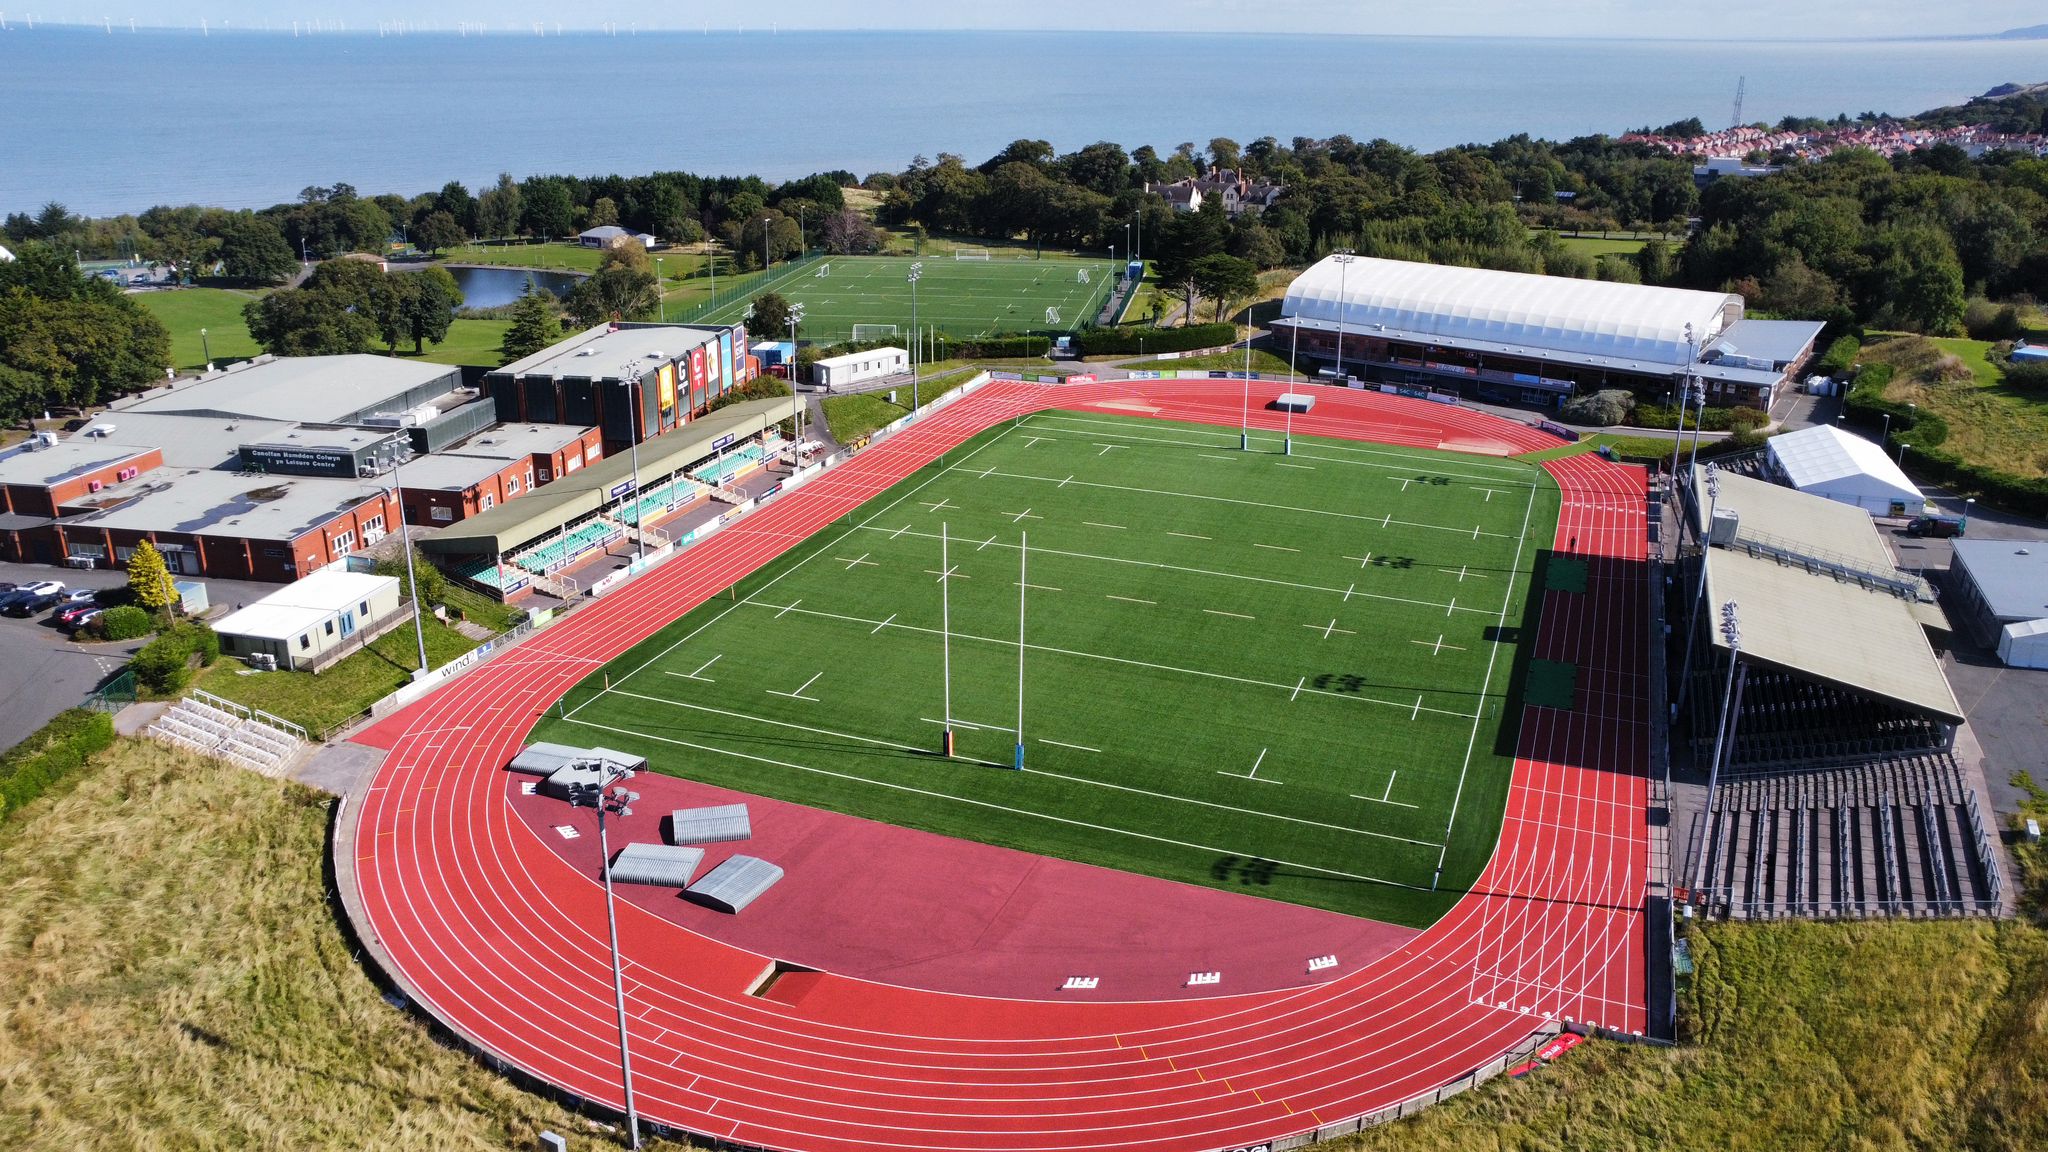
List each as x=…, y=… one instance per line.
x=218, y=310
x=1238, y=668
x=963, y=298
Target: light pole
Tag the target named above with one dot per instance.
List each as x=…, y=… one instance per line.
x=1684, y=395
x=1699, y=416
x=1699, y=595
x=1968, y=503
x=618, y=801
x=661, y=289
x=1885, y=435
x=1293, y=346
x=1731, y=630
x=1343, y=258
x=1244, y=432
x=916, y=334
x=796, y=412
x=765, y=220
x=419, y=632
x=629, y=381
x=205, y=348
x=1902, y=453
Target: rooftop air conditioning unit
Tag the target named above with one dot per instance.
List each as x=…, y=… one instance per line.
x=45, y=440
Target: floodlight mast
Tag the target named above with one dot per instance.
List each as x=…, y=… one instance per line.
x=1023, y=550
x=605, y=798
x=916, y=338
x=796, y=416
x=1731, y=631
x=629, y=379
x=945, y=644
x=1699, y=595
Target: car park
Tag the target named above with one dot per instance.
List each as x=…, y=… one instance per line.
x=32, y=602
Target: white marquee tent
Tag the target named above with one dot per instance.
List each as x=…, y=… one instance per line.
x=1826, y=461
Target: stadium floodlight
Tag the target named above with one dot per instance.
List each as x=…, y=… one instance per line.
x=1731, y=631
x=1684, y=394
x=661, y=293
x=1700, y=589
x=1343, y=257
x=398, y=456
x=917, y=339
x=607, y=796
x=796, y=411
x=629, y=380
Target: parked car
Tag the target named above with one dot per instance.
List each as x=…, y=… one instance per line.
x=1938, y=527
x=27, y=592
x=72, y=613
x=87, y=613
x=32, y=603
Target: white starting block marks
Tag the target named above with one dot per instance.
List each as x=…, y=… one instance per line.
x=1322, y=963
x=1198, y=979
x=568, y=831
x=1081, y=984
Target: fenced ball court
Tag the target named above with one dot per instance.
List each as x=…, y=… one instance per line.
x=1285, y=674
x=959, y=295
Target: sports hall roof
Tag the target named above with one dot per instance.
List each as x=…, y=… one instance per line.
x=586, y=490
x=1535, y=314
x=603, y=352
x=2011, y=576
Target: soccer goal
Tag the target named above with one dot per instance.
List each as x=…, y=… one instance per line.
x=1052, y=316
x=823, y=271
x=862, y=333
x=980, y=254
x=1081, y=276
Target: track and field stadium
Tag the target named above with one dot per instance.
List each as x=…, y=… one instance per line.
x=1265, y=697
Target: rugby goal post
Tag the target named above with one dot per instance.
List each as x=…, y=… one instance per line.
x=862, y=333
x=980, y=254
x=1052, y=316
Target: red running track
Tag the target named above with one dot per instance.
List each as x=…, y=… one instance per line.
x=504, y=941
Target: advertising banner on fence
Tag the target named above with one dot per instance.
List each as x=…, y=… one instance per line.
x=1081, y=378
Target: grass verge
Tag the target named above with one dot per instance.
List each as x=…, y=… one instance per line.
x=174, y=980
x=185, y=311
x=317, y=703
x=1990, y=423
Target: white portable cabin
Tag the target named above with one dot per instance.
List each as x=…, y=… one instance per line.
x=2024, y=645
x=856, y=367
x=303, y=621
x=1826, y=461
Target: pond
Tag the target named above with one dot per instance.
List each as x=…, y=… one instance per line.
x=497, y=287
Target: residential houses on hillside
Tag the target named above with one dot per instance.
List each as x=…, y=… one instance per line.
x=1239, y=192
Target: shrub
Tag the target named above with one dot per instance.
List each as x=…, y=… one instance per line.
x=1743, y=421
x=433, y=585
x=2027, y=374
x=1984, y=320
x=1603, y=409
x=205, y=642
x=49, y=754
x=123, y=622
x=162, y=667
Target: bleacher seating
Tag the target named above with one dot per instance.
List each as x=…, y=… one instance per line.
x=739, y=460
x=658, y=500
x=223, y=735
x=557, y=551
x=484, y=572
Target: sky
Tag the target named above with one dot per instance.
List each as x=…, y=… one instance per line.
x=1662, y=19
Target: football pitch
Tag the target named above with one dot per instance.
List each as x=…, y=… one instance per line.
x=962, y=298
x=1280, y=674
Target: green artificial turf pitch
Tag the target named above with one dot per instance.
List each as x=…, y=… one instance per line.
x=963, y=298
x=1281, y=674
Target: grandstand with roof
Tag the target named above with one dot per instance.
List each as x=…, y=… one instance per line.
x=1513, y=337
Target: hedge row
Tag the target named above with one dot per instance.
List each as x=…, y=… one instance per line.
x=51, y=753
x=1714, y=420
x=1134, y=341
x=1839, y=358
x=993, y=348
x=1925, y=431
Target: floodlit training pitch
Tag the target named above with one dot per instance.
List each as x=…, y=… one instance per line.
x=1285, y=674
x=960, y=298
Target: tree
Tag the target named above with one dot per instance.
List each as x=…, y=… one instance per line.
x=417, y=306
x=1223, y=279
x=66, y=338
x=437, y=232
x=255, y=249
x=604, y=211
x=550, y=210
x=535, y=325
x=149, y=578
x=310, y=322
x=849, y=233
x=769, y=318
x=616, y=289
x=498, y=210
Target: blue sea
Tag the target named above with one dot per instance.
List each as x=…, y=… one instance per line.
x=116, y=122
